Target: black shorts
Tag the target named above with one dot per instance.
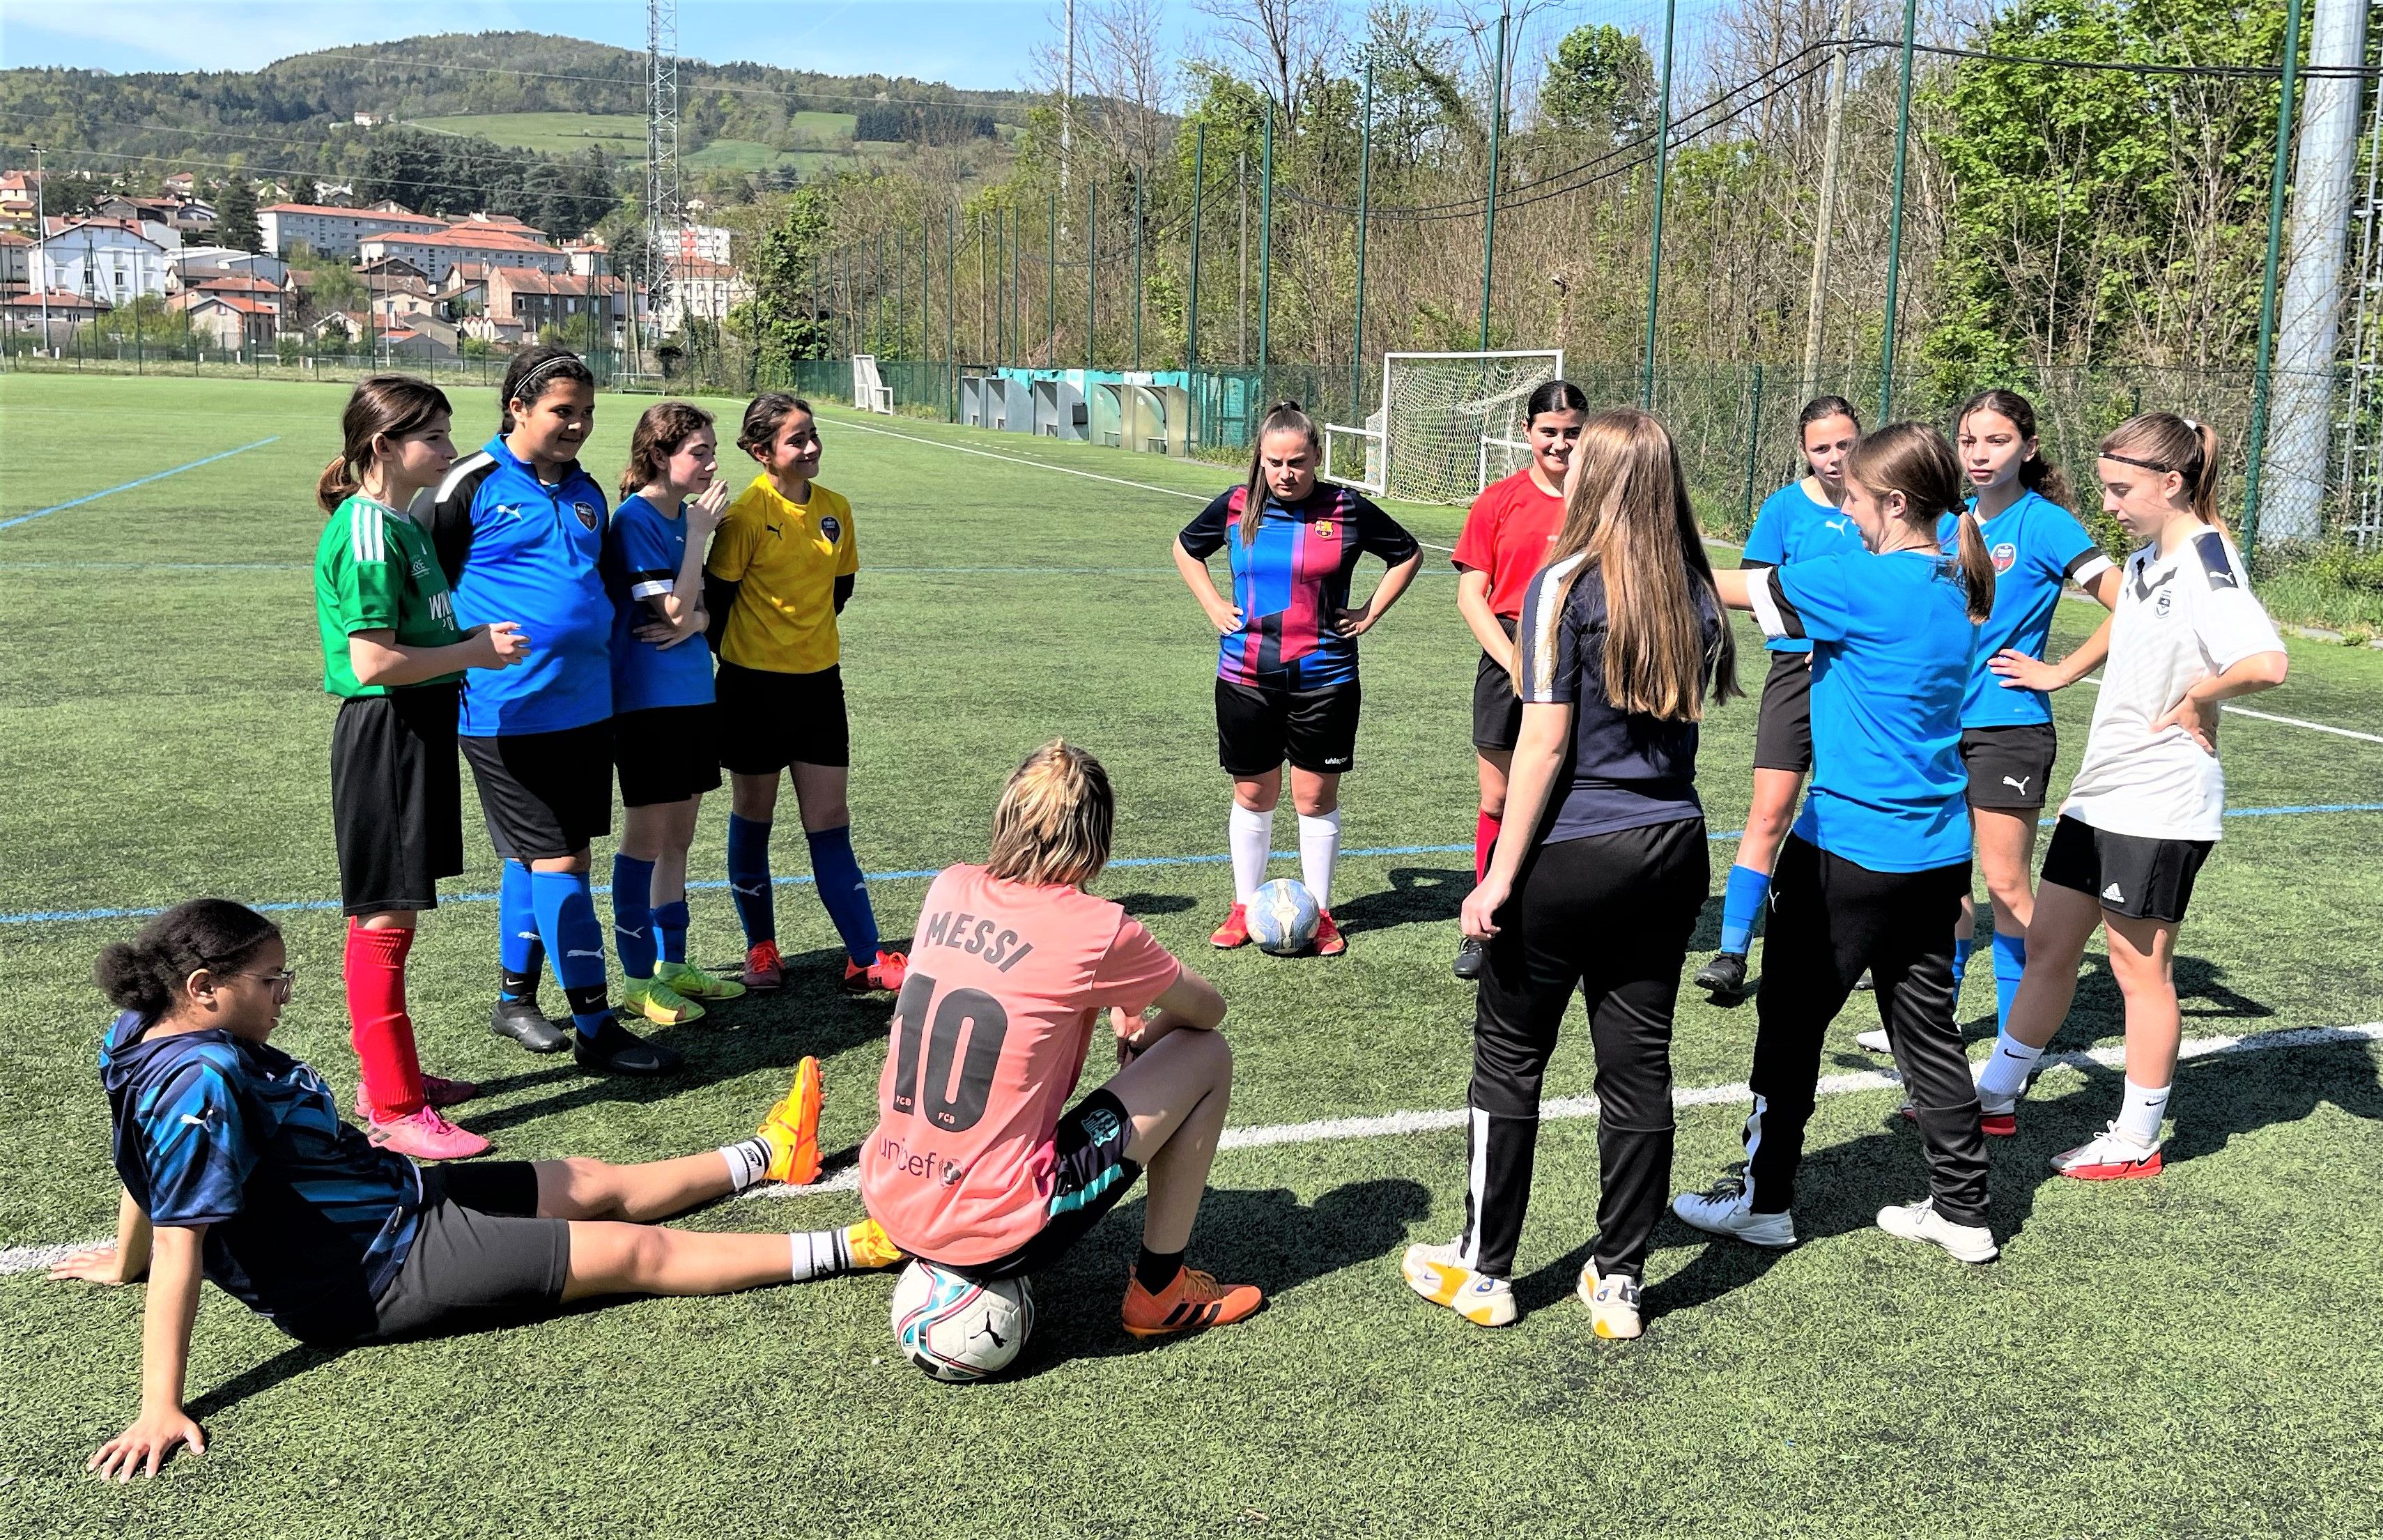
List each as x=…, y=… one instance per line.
x=2008, y=766
x=1783, y=727
x=770, y=720
x=544, y=795
x=1093, y=1175
x=1258, y=728
x=2140, y=878
x=397, y=799
x=666, y=753
x=1497, y=709
x=481, y=1256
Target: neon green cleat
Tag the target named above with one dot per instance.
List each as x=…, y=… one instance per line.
x=660, y=1004
x=694, y=984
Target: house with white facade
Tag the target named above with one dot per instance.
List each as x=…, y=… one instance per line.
x=111, y=262
x=436, y=255
x=336, y=231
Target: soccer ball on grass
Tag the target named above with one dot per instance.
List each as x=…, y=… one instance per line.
x=957, y=1328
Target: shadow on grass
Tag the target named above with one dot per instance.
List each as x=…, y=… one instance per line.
x=811, y=1014
x=1417, y=895
x=1265, y=1236
x=1142, y=905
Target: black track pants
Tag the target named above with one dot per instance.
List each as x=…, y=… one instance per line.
x=1830, y=919
x=1610, y=916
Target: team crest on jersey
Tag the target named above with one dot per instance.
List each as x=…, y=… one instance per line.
x=1324, y=529
x=2004, y=556
x=831, y=530
x=2166, y=602
x=586, y=515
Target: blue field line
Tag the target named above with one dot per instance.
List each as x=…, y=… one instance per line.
x=308, y=905
x=127, y=487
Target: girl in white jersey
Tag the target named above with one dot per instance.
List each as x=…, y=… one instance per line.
x=2146, y=804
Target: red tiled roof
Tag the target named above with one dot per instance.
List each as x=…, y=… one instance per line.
x=240, y=302
x=59, y=299
x=351, y=213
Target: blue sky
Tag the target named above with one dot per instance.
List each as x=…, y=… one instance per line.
x=980, y=43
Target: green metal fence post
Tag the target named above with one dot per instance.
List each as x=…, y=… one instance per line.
x=1051, y=306
x=1137, y=269
x=1092, y=267
x=1365, y=203
x=1753, y=444
x=1655, y=246
x=1894, y=220
x=1496, y=123
x=1191, y=309
x=2263, y=378
x=952, y=309
x=1266, y=244
x=901, y=287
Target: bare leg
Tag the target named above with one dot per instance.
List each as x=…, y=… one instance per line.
x=2143, y=956
x=753, y=798
x=1492, y=766
x=584, y=1188
x=2006, y=860
x=819, y=795
x=1768, y=820
x=1315, y=792
x=2062, y=922
x=1177, y=1094
x=1259, y=793
x=577, y=862
x=612, y=1257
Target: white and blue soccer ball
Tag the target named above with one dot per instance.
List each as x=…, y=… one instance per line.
x=957, y=1328
x=1282, y=918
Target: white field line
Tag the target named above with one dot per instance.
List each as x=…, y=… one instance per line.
x=27, y=1259
x=2095, y=680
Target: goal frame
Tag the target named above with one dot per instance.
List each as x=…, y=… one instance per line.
x=870, y=393
x=1374, y=437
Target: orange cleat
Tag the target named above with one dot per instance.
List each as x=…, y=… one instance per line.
x=763, y=968
x=1235, y=932
x=1327, y=936
x=1194, y=1302
x=792, y=1129
x=886, y=974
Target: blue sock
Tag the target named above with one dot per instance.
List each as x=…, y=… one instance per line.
x=566, y=917
x=670, y=929
x=841, y=888
x=748, y=878
x=1963, y=945
x=2010, y=966
x=1741, y=902
x=519, y=951
x=633, y=914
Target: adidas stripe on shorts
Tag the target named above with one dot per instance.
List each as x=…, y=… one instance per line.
x=2140, y=878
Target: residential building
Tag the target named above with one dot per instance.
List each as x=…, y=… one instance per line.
x=183, y=215
x=501, y=223
x=436, y=253
x=16, y=261
x=19, y=196
x=195, y=261
x=232, y=323
x=589, y=258
x=65, y=312
x=181, y=184
x=699, y=244
x=498, y=331
x=702, y=291
x=539, y=299
x=113, y=261
x=370, y=119
x=336, y=231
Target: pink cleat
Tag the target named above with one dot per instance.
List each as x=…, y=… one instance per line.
x=425, y=1136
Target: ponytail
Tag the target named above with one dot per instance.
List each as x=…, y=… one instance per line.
x=1281, y=417
x=391, y=404
x=2035, y=472
x=148, y=973
x=2163, y=442
x=1913, y=459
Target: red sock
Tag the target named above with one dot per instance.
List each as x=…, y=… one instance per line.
x=378, y=1026
x=1485, y=844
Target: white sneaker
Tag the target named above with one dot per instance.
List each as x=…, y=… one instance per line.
x=1613, y=1301
x=1919, y=1221
x=1435, y=1272
x=1874, y=1041
x=2110, y=1156
x=1723, y=1211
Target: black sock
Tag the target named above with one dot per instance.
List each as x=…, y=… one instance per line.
x=1155, y=1270
x=518, y=986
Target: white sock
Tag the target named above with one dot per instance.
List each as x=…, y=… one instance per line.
x=2005, y=1073
x=2140, y=1115
x=748, y=1161
x=1319, y=849
x=819, y=1254
x=1250, y=838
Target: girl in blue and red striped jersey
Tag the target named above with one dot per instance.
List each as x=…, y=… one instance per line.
x=1287, y=669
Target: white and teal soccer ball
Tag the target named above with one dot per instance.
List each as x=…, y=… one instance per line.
x=1282, y=918
x=958, y=1329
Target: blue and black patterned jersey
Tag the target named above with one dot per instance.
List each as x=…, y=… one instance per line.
x=307, y=1222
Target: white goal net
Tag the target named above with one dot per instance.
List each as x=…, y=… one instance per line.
x=1447, y=426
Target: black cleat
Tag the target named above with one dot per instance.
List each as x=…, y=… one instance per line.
x=618, y=1051
x=1724, y=975
x=1472, y=958
x=522, y=1022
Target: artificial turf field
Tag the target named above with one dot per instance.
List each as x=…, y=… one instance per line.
x=2195, y=1354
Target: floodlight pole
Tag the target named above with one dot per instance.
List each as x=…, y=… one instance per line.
x=1137, y=269
x=1364, y=201
x=2262, y=379
x=41, y=242
x=1191, y=315
x=1051, y=305
x=1496, y=123
x=1894, y=219
x=1091, y=265
x=1655, y=246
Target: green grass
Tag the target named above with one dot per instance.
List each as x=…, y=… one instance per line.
x=2195, y=1355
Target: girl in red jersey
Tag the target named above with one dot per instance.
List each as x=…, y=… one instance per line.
x=973, y=1168
x=1505, y=539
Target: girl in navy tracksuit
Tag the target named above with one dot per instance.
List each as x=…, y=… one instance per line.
x=1874, y=872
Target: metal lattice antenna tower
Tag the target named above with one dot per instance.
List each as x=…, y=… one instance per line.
x=665, y=215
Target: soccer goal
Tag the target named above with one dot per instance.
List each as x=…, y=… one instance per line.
x=868, y=392
x=1447, y=426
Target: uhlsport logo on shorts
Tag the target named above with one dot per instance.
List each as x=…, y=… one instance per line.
x=831, y=530
x=586, y=514
x=2004, y=555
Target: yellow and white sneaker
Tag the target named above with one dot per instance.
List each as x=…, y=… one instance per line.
x=660, y=1004
x=694, y=984
x=1613, y=1301
x=1435, y=1272
x=870, y=1248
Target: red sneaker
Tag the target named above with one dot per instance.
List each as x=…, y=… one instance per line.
x=440, y=1092
x=2108, y=1158
x=763, y=968
x=884, y=975
x=1235, y=932
x=1327, y=936
x=425, y=1136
